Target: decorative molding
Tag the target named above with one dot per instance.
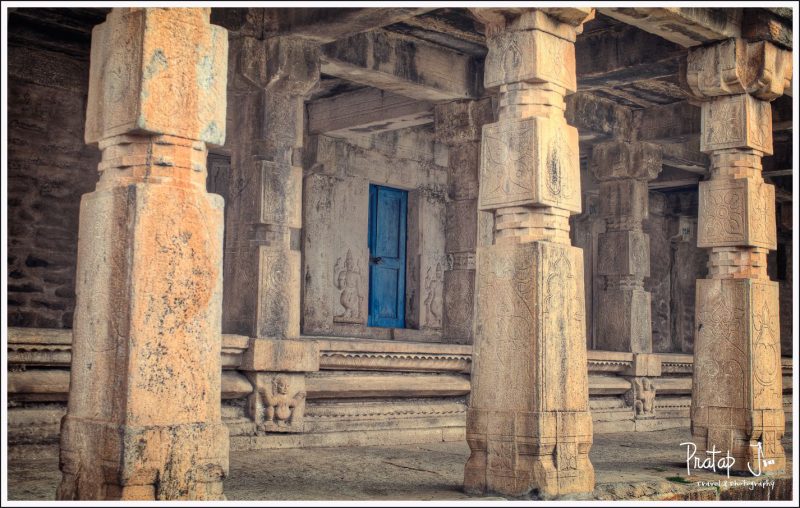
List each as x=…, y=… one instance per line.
x=342, y=411
x=347, y=360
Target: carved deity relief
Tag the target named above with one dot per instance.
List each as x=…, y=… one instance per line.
x=278, y=403
x=347, y=279
x=642, y=396
x=434, y=279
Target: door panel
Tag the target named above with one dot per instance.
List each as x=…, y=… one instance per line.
x=387, y=247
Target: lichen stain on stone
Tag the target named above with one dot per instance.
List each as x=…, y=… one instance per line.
x=205, y=73
x=158, y=62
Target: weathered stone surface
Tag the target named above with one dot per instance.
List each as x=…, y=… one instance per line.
x=532, y=161
x=623, y=320
x=738, y=347
x=281, y=356
x=737, y=212
x=621, y=159
x=459, y=122
x=149, y=270
x=737, y=314
x=623, y=253
x=146, y=80
x=736, y=121
x=269, y=79
x=336, y=257
x=366, y=111
x=685, y=26
x=278, y=402
x=530, y=316
x=736, y=66
x=531, y=55
x=403, y=65
x=49, y=168
x=623, y=317
x=528, y=425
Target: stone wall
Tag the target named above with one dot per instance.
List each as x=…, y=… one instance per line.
x=335, y=223
x=49, y=168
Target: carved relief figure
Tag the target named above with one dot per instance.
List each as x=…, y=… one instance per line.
x=348, y=281
x=644, y=397
x=433, y=298
x=281, y=409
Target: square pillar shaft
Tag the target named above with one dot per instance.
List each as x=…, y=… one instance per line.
x=458, y=125
x=737, y=386
x=143, y=419
x=623, y=305
x=264, y=217
x=528, y=422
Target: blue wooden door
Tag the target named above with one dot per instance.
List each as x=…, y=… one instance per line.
x=387, y=256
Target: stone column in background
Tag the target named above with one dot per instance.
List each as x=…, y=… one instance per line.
x=269, y=79
x=528, y=422
x=143, y=420
x=623, y=306
x=736, y=391
x=458, y=125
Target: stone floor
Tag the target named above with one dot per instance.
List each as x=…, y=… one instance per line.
x=644, y=465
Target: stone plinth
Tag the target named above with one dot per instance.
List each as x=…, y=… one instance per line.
x=143, y=419
x=528, y=423
x=736, y=391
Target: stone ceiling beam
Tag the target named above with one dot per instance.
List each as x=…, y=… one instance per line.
x=405, y=66
x=327, y=25
x=622, y=55
x=685, y=26
x=366, y=111
x=597, y=118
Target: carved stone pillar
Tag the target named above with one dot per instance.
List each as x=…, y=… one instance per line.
x=736, y=391
x=528, y=422
x=623, y=306
x=458, y=125
x=269, y=79
x=143, y=420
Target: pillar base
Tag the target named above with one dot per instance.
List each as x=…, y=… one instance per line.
x=522, y=453
x=104, y=461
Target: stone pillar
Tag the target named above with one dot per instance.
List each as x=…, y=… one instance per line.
x=269, y=79
x=143, y=420
x=528, y=422
x=458, y=125
x=736, y=391
x=623, y=306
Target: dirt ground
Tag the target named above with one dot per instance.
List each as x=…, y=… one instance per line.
x=643, y=465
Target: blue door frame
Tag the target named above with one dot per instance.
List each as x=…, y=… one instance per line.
x=387, y=256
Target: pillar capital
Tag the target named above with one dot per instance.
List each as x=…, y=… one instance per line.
x=280, y=65
x=737, y=66
x=616, y=160
x=561, y=22
x=531, y=46
x=152, y=66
